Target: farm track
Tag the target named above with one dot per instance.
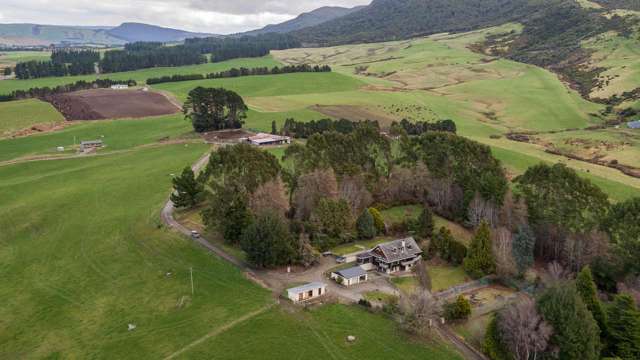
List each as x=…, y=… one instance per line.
x=221, y=329
x=466, y=350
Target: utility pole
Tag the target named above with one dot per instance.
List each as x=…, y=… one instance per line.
x=191, y=271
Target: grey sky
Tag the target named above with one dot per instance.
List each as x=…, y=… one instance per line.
x=214, y=16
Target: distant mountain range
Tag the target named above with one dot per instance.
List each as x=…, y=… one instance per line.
x=42, y=35
x=305, y=20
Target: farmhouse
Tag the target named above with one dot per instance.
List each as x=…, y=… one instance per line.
x=391, y=257
x=89, y=145
x=263, y=139
x=351, y=276
x=307, y=292
x=119, y=87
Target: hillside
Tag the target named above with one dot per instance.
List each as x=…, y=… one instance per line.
x=132, y=32
x=44, y=35
x=305, y=20
x=386, y=20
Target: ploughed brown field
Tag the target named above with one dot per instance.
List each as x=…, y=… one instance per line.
x=100, y=104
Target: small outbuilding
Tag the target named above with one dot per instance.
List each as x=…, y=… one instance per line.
x=119, y=87
x=351, y=276
x=263, y=139
x=90, y=145
x=634, y=124
x=307, y=292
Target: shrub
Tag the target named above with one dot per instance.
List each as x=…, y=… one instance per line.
x=365, y=303
x=378, y=220
x=493, y=346
x=457, y=310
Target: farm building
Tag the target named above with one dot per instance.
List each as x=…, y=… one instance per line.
x=351, y=276
x=263, y=139
x=307, y=292
x=89, y=145
x=634, y=124
x=119, y=87
x=394, y=256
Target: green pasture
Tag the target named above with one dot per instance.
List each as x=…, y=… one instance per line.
x=10, y=58
x=7, y=86
x=269, y=85
x=116, y=135
x=83, y=255
x=18, y=115
x=320, y=332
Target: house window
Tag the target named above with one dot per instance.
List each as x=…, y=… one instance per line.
x=310, y=294
x=319, y=291
x=300, y=297
x=363, y=278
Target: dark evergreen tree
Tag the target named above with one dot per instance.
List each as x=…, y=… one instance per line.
x=188, y=191
x=425, y=223
x=8, y=71
x=492, y=345
x=214, y=109
x=228, y=211
x=523, y=248
x=268, y=242
x=365, y=225
x=575, y=332
x=274, y=129
x=588, y=292
x=378, y=220
x=480, y=261
x=624, y=326
x=623, y=226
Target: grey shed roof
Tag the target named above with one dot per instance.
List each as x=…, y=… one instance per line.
x=634, y=124
x=306, y=287
x=91, y=142
x=394, y=251
x=351, y=273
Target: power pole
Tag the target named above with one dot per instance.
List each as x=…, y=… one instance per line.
x=191, y=271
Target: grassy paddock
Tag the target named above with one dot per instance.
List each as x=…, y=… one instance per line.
x=19, y=115
x=140, y=76
x=83, y=255
x=319, y=332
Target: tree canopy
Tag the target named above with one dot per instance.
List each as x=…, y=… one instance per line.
x=268, y=242
x=211, y=109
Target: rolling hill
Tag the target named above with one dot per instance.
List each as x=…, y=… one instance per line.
x=386, y=20
x=305, y=20
x=43, y=35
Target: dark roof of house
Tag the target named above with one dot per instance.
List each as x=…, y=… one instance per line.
x=397, y=250
x=351, y=273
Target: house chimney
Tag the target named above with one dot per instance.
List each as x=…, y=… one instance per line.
x=404, y=245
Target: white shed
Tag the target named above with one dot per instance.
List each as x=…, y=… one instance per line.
x=307, y=292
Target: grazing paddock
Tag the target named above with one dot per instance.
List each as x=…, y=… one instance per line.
x=319, y=332
x=21, y=115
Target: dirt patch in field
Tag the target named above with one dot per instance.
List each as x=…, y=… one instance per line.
x=226, y=136
x=37, y=129
x=354, y=113
x=100, y=104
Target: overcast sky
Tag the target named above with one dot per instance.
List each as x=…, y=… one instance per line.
x=213, y=16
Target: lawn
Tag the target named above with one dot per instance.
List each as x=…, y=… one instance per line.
x=116, y=135
x=361, y=245
x=83, y=255
x=406, y=284
x=19, y=115
x=380, y=297
x=318, y=333
x=141, y=76
x=398, y=214
x=444, y=277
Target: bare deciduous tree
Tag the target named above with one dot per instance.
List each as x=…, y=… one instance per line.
x=311, y=188
x=513, y=213
x=419, y=311
x=405, y=185
x=270, y=196
x=582, y=249
x=424, y=279
x=354, y=190
x=482, y=210
x=555, y=273
x=503, y=251
x=523, y=330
